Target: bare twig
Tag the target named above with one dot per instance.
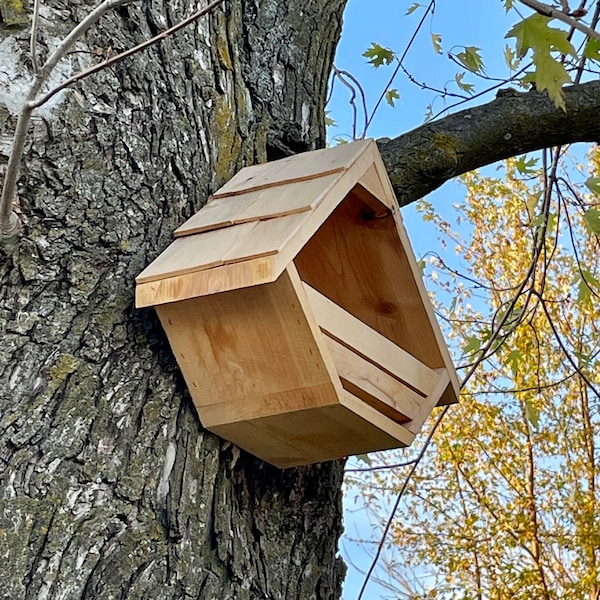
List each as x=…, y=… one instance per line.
x=9, y=223
x=548, y=11
x=127, y=53
x=35, y=21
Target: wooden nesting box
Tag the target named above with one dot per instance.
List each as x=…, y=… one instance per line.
x=296, y=311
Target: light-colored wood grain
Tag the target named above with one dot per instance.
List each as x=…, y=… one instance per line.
x=362, y=266
x=202, y=283
x=269, y=203
x=246, y=344
x=266, y=238
x=376, y=387
x=229, y=410
x=215, y=214
x=316, y=435
x=371, y=182
x=430, y=402
x=376, y=419
x=354, y=334
x=194, y=253
x=299, y=167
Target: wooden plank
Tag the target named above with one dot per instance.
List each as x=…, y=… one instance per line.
x=245, y=344
x=299, y=167
x=376, y=387
x=430, y=402
x=228, y=410
x=376, y=419
x=213, y=215
x=202, y=283
x=266, y=238
x=351, y=332
x=194, y=253
x=286, y=199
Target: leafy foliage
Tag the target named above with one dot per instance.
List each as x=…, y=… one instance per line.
x=535, y=34
x=507, y=506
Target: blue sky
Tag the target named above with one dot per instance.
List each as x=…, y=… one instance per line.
x=460, y=23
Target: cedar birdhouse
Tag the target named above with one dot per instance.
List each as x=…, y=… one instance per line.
x=296, y=311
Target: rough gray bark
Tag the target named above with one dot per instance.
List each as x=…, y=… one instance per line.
x=109, y=487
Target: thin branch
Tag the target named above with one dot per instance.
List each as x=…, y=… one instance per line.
x=548, y=11
x=127, y=53
x=390, y=520
x=35, y=21
x=9, y=223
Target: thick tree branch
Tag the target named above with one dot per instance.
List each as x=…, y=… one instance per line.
x=421, y=160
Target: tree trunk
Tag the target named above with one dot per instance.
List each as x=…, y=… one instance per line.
x=110, y=488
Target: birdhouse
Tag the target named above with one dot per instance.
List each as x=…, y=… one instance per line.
x=296, y=311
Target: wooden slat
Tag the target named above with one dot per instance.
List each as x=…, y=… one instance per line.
x=299, y=167
x=267, y=238
x=194, y=253
x=202, y=283
x=351, y=332
x=228, y=410
x=430, y=402
x=316, y=435
x=286, y=199
x=376, y=387
x=213, y=215
x=263, y=204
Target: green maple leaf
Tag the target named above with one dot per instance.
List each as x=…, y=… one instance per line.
x=378, y=55
x=412, y=8
x=592, y=49
x=471, y=59
x=550, y=75
x=525, y=166
x=391, y=96
x=465, y=87
x=591, y=218
x=593, y=184
x=534, y=34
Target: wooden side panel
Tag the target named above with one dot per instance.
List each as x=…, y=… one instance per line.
x=452, y=392
x=316, y=435
x=247, y=345
x=354, y=334
x=300, y=167
x=361, y=265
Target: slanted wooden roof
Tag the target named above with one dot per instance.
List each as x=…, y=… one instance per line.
x=254, y=226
